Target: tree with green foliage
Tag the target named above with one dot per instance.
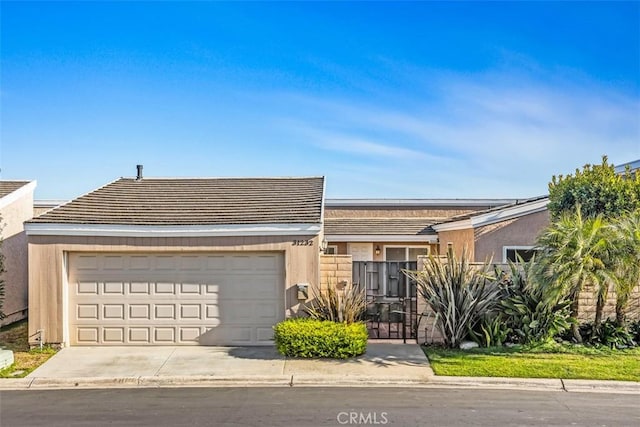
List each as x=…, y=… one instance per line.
x=575, y=253
x=597, y=189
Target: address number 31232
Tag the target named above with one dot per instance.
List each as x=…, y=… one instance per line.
x=302, y=242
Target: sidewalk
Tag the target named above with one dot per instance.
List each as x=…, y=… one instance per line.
x=384, y=364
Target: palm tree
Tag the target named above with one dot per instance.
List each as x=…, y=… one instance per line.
x=575, y=254
x=627, y=260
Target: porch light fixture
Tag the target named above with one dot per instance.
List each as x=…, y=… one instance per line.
x=323, y=245
x=377, y=250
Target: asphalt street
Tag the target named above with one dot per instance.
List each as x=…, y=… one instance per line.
x=281, y=406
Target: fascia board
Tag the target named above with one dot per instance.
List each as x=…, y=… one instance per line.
x=114, y=230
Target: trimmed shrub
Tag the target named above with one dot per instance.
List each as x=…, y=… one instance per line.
x=304, y=337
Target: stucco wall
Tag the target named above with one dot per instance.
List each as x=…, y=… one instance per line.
x=14, y=248
x=47, y=275
x=460, y=239
x=522, y=231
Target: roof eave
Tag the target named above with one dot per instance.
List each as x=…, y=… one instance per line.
x=340, y=238
x=129, y=230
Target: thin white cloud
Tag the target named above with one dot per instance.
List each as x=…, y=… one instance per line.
x=348, y=143
x=507, y=131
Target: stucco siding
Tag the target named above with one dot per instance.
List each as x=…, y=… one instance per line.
x=48, y=277
x=459, y=240
x=522, y=231
x=14, y=248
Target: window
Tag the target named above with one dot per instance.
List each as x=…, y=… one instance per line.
x=510, y=253
x=331, y=250
x=404, y=253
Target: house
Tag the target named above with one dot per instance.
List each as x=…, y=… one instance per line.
x=154, y=261
x=499, y=234
x=394, y=229
x=16, y=206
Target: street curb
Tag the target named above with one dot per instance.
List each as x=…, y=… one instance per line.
x=530, y=384
x=589, y=386
x=499, y=383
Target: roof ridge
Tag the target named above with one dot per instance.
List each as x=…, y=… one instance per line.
x=211, y=178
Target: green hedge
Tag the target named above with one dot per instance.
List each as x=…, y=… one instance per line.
x=304, y=337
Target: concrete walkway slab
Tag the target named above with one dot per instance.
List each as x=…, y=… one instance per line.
x=106, y=362
x=382, y=362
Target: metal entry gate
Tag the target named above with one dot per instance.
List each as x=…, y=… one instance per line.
x=391, y=298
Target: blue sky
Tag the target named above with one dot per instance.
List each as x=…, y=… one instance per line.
x=385, y=99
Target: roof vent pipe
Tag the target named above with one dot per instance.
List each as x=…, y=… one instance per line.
x=139, y=176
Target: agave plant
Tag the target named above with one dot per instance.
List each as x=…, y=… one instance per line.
x=524, y=308
x=345, y=305
x=458, y=293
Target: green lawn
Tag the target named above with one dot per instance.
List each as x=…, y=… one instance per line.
x=556, y=361
x=15, y=337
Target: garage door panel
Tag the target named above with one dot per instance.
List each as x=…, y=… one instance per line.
x=87, y=335
x=140, y=311
x=164, y=288
x=204, y=299
x=111, y=335
x=264, y=335
x=167, y=263
x=113, y=312
x=87, y=311
x=139, y=335
x=140, y=263
x=111, y=288
x=190, y=288
x=87, y=288
x=139, y=288
x=86, y=262
x=113, y=262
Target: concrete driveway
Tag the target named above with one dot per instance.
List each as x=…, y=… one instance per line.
x=383, y=362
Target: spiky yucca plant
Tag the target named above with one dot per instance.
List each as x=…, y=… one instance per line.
x=457, y=292
x=345, y=305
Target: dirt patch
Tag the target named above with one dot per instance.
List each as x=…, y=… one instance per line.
x=15, y=337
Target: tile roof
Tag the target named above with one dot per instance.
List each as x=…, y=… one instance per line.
x=378, y=226
x=195, y=201
x=8, y=187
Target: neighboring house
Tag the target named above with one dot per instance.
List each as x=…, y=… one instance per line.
x=42, y=206
x=16, y=206
x=151, y=261
x=498, y=234
x=398, y=229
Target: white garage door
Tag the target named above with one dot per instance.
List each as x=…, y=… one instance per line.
x=175, y=299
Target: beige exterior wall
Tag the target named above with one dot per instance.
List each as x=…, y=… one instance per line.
x=335, y=270
x=522, y=231
x=48, y=276
x=14, y=248
x=460, y=239
x=588, y=305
